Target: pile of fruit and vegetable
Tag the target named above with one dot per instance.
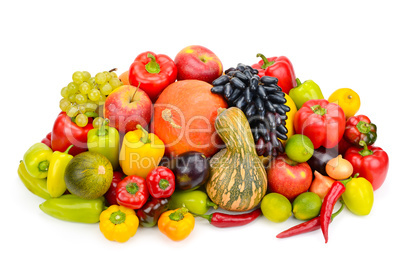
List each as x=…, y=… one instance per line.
x=168, y=141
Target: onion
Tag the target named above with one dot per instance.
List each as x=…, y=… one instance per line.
x=339, y=168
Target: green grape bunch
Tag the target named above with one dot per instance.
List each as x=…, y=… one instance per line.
x=84, y=94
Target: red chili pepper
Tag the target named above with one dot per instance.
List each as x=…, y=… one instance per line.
x=308, y=226
x=48, y=140
x=359, y=128
x=371, y=163
x=337, y=189
x=66, y=133
x=111, y=192
x=161, y=182
x=321, y=121
x=132, y=192
x=153, y=72
x=222, y=220
x=279, y=67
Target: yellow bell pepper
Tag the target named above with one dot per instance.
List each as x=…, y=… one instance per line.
x=140, y=152
x=118, y=223
x=176, y=224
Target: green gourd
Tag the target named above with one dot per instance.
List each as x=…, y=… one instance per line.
x=238, y=180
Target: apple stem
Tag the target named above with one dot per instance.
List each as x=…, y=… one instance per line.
x=135, y=92
x=152, y=67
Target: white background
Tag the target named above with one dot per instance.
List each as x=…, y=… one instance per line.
x=353, y=44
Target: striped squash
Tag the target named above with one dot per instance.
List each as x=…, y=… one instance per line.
x=238, y=178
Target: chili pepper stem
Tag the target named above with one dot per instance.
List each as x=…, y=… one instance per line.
x=207, y=217
x=102, y=131
x=365, y=151
x=163, y=184
x=117, y=217
x=152, y=67
x=144, y=137
x=178, y=214
x=68, y=149
x=212, y=204
x=43, y=166
x=317, y=109
x=265, y=60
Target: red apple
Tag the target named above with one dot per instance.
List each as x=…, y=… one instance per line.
x=198, y=62
x=288, y=177
x=126, y=107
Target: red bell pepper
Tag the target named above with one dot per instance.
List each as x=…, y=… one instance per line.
x=111, y=192
x=370, y=162
x=48, y=140
x=279, y=67
x=359, y=128
x=323, y=122
x=66, y=133
x=132, y=192
x=161, y=182
x=152, y=73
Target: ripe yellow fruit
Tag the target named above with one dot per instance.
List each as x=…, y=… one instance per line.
x=347, y=99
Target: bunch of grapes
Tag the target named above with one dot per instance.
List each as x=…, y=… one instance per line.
x=84, y=94
x=261, y=100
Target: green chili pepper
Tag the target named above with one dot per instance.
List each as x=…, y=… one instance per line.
x=196, y=202
x=309, y=90
x=72, y=208
x=106, y=141
x=34, y=185
x=37, y=160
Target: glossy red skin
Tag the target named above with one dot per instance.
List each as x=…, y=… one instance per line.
x=133, y=201
x=352, y=133
x=153, y=179
x=66, y=133
x=281, y=181
x=48, y=140
x=281, y=69
x=152, y=83
x=323, y=130
x=125, y=112
x=199, y=63
x=373, y=168
x=111, y=193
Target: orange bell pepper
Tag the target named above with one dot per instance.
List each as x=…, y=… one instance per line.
x=176, y=224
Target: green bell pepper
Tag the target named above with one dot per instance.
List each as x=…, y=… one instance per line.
x=37, y=160
x=34, y=185
x=106, y=141
x=196, y=201
x=72, y=208
x=309, y=90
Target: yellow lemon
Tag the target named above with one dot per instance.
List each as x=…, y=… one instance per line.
x=347, y=99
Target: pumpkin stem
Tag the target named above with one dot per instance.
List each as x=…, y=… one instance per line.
x=167, y=116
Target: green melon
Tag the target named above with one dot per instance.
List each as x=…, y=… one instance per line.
x=88, y=175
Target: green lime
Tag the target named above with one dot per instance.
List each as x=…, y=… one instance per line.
x=306, y=206
x=299, y=148
x=276, y=207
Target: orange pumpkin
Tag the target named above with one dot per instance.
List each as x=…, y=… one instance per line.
x=184, y=117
